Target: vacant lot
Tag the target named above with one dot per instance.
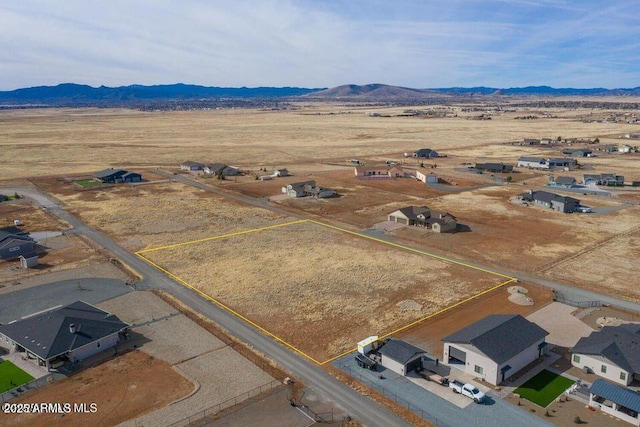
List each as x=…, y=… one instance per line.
x=123, y=388
x=164, y=213
x=322, y=299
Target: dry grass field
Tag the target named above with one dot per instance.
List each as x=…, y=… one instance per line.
x=316, y=141
x=72, y=141
x=320, y=289
x=160, y=214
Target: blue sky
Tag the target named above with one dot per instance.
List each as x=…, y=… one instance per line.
x=308, y=43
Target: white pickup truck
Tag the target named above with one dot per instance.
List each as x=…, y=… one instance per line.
x=468, y=390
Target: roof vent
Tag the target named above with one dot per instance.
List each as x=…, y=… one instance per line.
x=72, y=328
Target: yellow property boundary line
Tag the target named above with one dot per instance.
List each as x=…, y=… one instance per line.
x=277, y=338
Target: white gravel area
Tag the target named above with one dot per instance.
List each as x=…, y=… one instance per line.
x=564, y=328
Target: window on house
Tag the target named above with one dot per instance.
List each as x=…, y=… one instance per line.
x=603, y=369
x=576, y=358
x=623, y=376
x=478, y=369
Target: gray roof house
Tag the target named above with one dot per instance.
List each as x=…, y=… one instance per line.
x=615, y=400
x=612, y=352
x=564, y=162
x=109, y=175
x=400, y=356
x=425, y=152
x=73, y=332
x=191, y=166
x=220, y=168
x=297, y=189
x=422, y=216
x=562, y=182
x=495, y=347
x=608, y=179
x=14, y=243
x=552, y=201
x=494, y=167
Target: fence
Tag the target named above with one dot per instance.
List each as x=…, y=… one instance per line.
x=400, y=401
x=226, y=404
x=38, y=382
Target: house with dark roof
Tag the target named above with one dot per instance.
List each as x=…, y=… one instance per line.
x=220, y=169
x=495, y=347
x=422, y=216
x=533, y=163
x=552, y=201
x=562, y=182
x=425, y=153
x=191, y=166
x=494, y=167
x=70, y=333
x=14, y=243
x=615, y=400
x=131, y=177
x=613, y=353
x=563, y=162
x=577, y=152
x=608, y=179
x=110, y=175
x=400, y=356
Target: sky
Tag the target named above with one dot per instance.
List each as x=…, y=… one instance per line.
x=313, y=43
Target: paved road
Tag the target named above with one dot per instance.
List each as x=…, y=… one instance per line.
x=357, y=405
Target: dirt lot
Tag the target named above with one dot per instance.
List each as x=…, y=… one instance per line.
x=129, y=386
x=428, y=335
x=321, y=299
x=611, y=266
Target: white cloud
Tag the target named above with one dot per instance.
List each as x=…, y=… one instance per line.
x=312, y=44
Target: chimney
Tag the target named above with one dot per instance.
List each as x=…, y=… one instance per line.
x=72, y=328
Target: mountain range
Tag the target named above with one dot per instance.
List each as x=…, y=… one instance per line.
x=75, y=94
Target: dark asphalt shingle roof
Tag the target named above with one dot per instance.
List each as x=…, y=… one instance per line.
x=565, y=180
x=617, y=394
x=532, y=159
x=48, y=335
x=400, y=351
x=412, y=212
x=619, y=344
x=499, y=336
x=109, y=172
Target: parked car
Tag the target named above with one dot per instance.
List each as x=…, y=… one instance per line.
x=468, y=390
x=583, y=209
x=366, y=362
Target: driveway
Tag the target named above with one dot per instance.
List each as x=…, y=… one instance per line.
x=564, y=328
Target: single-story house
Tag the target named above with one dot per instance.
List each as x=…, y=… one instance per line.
x=546, y=141
x=495, y=347
x=430, y=178
x=552, y=201
x=627, y=149
x=494, y=167
x=220, y=169
x=422, y=216
x=110, y=175
x=577, y=152
x=400, y=356
x=191, y=166
x=73, y=332
x=608, y=179
x=369, y=172
x=14, y=243
x=533, y=163
x=131, y=177
x=564, y=162
x=616, y=401
x=296, y=189
x=562, y=181
x=318, y=192
x=281, y=172
x=425, y=152
x=612, y=353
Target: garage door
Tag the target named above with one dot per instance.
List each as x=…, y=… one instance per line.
x=457, y=354
x=413, y=365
